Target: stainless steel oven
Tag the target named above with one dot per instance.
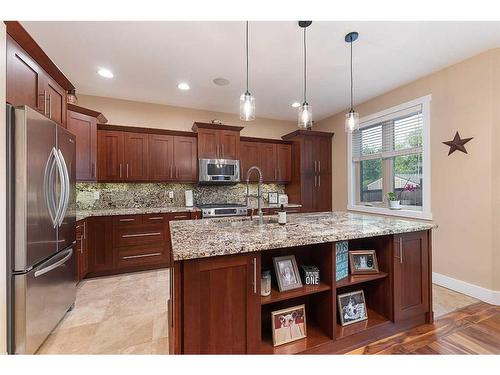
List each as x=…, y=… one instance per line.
x=219, y=171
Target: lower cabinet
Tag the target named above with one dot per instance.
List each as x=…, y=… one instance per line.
x=129, y=243
x=222, y=305
x=412, y=276
x=82, y=254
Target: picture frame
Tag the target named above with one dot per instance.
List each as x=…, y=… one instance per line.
x=272, y=197
x=289, y=325
x=287, y=273
x=363, y=262
x=352, y=307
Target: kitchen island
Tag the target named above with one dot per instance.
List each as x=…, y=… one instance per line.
x=215, y=303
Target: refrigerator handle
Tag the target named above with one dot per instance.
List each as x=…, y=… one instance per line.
x=49, y=186
x=66, y=187
x=63, y=186
x=43, y=269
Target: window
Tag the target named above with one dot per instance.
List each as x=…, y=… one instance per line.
x=390, y=153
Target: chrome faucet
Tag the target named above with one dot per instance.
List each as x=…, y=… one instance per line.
x=259, y=191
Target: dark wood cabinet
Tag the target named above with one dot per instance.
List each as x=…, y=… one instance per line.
x=135, y=156
x=222, y=305
x=100, y=249
x=109, y=155
x=311, y=170
x=84, y=127
x=82, y=256
x=412, y=282
x=217, y=141
x=185, y=159
x=161, y=157
x=274, y=159
x=28, y=84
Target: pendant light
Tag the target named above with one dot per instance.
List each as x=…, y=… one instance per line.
x=351, y=117
x=247, y=101
x=305, y=110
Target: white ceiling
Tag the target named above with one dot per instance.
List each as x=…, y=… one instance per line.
x=149, y=59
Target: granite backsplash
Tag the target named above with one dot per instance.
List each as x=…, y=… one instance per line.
x=144, y=195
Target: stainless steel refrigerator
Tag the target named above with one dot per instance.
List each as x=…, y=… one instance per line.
x=42, y=225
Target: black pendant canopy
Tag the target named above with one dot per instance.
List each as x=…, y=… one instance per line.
x=351, y=37
x=305, y=24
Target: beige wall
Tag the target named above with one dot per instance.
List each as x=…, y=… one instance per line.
x=3, y=252
x=130, y=113
x=465, y=197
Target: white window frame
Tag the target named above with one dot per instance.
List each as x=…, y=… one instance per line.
x=425, y=213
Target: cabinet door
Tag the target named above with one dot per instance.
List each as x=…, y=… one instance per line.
x=249, y=157
x=221, y=305
x=99, y=245
x=24, y=78
x=84, y=270
x=284, y=162
x=85, y=129
x=208, y=144
x=185, y=159
x=110, y=155
x=56, y=97
x=307, y=155
x=78, y=247
x=308, y=183
x=323, y=155
x=411, y=275
x=322, y=193
x=267, y=156
x=229, y=141
x=161, y=157
x=136, y=157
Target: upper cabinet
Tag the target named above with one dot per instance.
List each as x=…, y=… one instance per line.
x=125, y=155
x=311, y=171
x=273, y=158
x=218, y=141
x=32, y=78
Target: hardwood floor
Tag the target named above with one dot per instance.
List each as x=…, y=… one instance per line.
x=474, y=329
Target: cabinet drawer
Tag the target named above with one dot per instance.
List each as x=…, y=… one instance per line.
x=139, y=235
x=133, y=256
x=179, y=216
x=126, y=220
x=155, y=219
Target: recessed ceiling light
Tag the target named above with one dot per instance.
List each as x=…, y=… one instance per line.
x=295, y=104
x=106, y=73
x=221, y=81
x=183, y=86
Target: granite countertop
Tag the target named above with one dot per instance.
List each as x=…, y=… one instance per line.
x=212, y=237
x=83, y=214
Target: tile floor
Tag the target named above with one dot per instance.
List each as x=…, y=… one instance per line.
x=127, y=314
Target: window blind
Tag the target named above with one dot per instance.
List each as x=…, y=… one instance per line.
x=394, y=135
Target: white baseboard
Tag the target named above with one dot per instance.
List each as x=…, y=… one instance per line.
x=486, y=295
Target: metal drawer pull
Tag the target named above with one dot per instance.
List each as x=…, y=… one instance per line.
x=180, y=217
x=122, y=220
x=401, y=250
x=254, y=261
x=141, y=235
x=156, y=218
x=141, y=256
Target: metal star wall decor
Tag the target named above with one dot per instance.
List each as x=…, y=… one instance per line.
x=457, y=144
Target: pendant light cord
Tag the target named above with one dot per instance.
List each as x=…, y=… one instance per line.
x=305, y=67
x=352, y=104
x=247, y=52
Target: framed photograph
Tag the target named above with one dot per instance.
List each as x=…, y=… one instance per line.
x=272, y=197
x=352, y=307
x=287, y=273
x=289, y=324
x=363, y=262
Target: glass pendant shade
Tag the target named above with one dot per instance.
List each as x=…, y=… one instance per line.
x=247, y=107
x=351, y=121
x=305, y=116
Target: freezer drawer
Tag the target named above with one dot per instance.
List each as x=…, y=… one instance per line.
x=42, y=298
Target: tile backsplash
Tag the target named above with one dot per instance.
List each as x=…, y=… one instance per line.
x=143, y=195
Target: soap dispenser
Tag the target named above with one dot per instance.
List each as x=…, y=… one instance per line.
x=282, y=216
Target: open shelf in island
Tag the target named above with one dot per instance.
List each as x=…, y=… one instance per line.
x=304, y=290
x=358, y=279
x=374, y=320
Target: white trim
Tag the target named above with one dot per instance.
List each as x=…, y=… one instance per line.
x=483, y=294
x=426, y=213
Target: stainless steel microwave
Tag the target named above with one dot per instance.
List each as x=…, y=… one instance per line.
x=219, y=171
